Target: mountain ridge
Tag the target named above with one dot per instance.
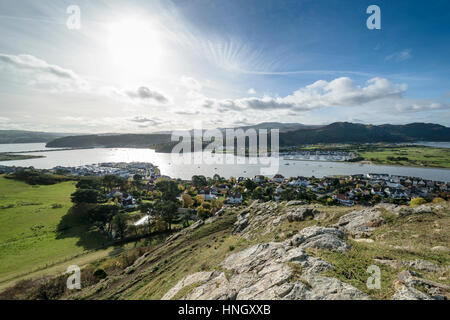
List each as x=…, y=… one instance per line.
x=337, y=132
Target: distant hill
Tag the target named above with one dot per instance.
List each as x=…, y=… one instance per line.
x=21, y=136
x=283, y=127
x=290, y=134
x=342, y=132
x=111, y=141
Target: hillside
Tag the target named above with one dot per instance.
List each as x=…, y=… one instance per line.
x=290, y=134
x=111, y=141
x=345, y=132
x=280, y=250
x=20, y=136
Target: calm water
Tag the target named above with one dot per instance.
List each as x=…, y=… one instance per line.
x=18, y=147
x=185, y=171
x=434, y=144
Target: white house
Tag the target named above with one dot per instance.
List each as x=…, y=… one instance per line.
x=278, y=178
x=235, y=198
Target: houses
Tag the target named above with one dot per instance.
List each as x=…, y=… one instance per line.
x=206, y=194
x=299, y=182
x=128, y=202
x=235, y=198
x=343, y=199
x=278, y=178
x=259, y=178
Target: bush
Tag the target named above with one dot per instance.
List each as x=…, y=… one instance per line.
x=35, y=177
x=100, y=274
x=417, y=202
x=438, y=200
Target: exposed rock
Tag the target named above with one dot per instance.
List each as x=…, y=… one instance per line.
x=320, y=238
x=294, y=203
x=403, y=292
x=300, y=214
x=364, y=240
x=407, y=283
x=440, y=249
x=263, y=271
x=196, y=278
x=422, y=265
x=360, y=223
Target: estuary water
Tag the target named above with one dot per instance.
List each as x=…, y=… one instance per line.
x=227, y=166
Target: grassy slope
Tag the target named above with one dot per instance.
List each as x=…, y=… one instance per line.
x=206, y=247
x=418, y=156
x=29, y=239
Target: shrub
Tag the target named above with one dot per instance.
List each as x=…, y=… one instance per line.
x=100, y=274
x=438, y=200
x=417, y=201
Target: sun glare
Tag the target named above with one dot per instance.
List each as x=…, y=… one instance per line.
x=134, y=46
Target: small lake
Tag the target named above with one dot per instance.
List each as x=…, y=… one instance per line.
x=240, y=166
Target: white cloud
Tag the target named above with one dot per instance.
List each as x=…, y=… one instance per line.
x=145, y=93
x=399, y=56
x=251, y=91
x=338, y=92
x=42, y=74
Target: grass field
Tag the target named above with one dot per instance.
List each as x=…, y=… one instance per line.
x=417, y=156
x=29, y=236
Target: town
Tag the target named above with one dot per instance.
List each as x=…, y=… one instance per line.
x=358, y=189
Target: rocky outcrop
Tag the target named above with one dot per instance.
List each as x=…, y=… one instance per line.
x=263, y=218
x=274, y=270
x=320, y=238
x=418, y=264
x=360, y=224
x=407, y=284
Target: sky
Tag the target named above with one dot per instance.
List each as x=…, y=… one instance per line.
x=146, y=66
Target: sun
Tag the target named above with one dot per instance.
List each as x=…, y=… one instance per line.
x=134, y=46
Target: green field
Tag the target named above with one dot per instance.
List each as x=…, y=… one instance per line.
x=419, y=156
x=29, y=236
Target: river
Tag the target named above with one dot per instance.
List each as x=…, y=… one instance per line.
x=164, y=161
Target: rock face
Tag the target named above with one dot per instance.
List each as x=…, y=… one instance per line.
x=407, y=283
x=271, y=271
x=360, y=224
x=268, y=215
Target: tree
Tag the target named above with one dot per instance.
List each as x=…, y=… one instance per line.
x=146, y=207
x=202, y=212
x=102, y=215
x=119, y=223
x=188, y=202
x=168, y=188
x=86, y=196
x=258, y=193
x=167, y=210
x=250, y=184
x=199, y=181
x=89, y=183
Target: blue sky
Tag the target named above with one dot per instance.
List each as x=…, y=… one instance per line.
x=141, y=66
